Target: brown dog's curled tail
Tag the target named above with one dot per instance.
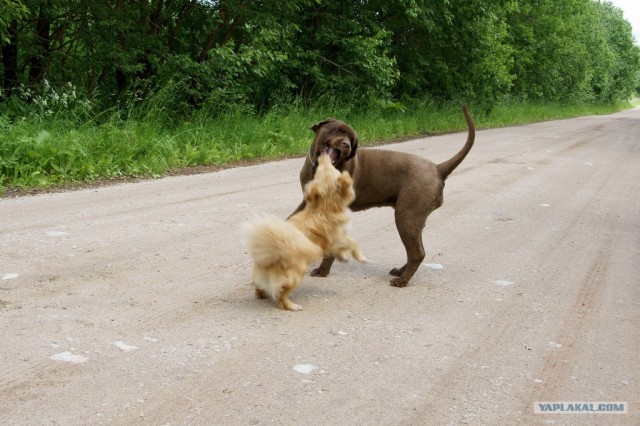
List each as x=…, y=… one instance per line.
x=445, y=168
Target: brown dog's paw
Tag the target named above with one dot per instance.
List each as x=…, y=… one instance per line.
x=399, y=282
x=396, y=272
x=319, y=272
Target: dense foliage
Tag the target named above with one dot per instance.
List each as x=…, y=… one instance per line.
x=246, y=57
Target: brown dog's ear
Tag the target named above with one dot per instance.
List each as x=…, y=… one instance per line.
x=354, y=147
x=317, y=126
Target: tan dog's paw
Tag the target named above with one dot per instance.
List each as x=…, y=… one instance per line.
x=289, y=305
x=343, y=255
x=354, y=251
x=346, y=255
x=357, y=255
x=360, y=258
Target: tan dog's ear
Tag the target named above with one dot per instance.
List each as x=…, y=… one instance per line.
x=354, y=147
x=312, y=194
x=317, y=126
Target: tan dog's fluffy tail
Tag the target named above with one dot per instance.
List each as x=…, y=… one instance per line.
x=445, y=168
x=273, y=240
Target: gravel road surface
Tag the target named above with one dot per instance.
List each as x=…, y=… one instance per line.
x=132, y=304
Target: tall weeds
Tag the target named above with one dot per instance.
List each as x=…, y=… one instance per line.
x=48, y=149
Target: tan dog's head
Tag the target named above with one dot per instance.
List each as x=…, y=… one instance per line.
x=334, y=138
x=329, y=190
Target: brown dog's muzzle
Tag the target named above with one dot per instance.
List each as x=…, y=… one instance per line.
x=334, y=138
x=337, y=150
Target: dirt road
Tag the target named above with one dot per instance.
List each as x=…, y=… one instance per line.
x=131, y=304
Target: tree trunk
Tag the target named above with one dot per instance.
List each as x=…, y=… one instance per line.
x=173, y=35
x=10, y=60
x=43, y=47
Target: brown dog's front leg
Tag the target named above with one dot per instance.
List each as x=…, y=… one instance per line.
x=298, y=209
x=324, y=268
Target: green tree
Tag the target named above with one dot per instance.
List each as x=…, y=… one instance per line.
x=621, y=76
x=10, y=13
x=578, y=50
x=248, y=56
x=448, y=49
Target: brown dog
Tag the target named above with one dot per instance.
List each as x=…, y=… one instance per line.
x=410, y=184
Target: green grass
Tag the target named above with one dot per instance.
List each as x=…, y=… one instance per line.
x=44, y=153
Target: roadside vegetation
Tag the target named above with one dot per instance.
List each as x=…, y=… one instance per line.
x=94, y=91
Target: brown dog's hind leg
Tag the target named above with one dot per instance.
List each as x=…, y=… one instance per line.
x=410, y=226
x=324, y=268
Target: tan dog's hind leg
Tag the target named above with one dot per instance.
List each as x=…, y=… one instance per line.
x=260, y=294
x=283, y=299
x=260, y=280
x=284, y=302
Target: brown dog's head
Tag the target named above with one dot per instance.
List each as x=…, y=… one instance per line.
x=334, y=138
x=329, y=190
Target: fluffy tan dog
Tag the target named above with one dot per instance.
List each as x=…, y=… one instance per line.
x=281, y=255
x=282, y=250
